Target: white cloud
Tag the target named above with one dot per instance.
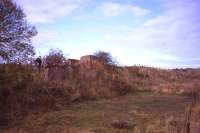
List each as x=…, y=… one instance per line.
x=45, y=37
x=44, y=41
x=44, y=11
x=170, y=39
x=115, y=9
x=173, y=36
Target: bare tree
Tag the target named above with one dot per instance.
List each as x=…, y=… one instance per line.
x=55, y=57
x=15, y=33
x=105, y=57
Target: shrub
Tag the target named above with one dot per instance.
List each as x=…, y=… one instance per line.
x=55, y=57
x=105, y=57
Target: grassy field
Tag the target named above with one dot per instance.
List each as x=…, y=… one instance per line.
x=141, y=109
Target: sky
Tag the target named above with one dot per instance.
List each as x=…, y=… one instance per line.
x=158, y=33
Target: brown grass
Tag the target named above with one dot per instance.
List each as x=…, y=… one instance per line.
x=142, y=112
x=25, y=91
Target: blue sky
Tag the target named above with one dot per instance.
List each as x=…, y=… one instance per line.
x=160, y=33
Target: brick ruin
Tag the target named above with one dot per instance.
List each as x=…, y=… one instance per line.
x=71, y=68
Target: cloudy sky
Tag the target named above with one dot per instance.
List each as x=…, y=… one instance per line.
x=160, y=33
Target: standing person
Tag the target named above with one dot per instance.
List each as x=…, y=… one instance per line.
x=38, y=62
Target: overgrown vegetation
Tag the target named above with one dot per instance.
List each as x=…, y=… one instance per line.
x=55, y=57
x=105, y=57
x=25, y=90
x=138, y=112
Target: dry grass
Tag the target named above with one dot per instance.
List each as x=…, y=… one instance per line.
x=24, y=91
x=142, y=109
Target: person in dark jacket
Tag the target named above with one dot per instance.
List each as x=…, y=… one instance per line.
x=38, y=62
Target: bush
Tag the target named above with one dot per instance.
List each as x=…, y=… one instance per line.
x=14, y=80
x=55, y=57
x=105, y=57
